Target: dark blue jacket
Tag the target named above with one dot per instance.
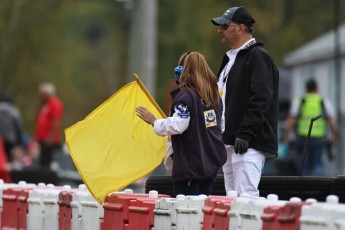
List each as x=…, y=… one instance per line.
x=199, y=151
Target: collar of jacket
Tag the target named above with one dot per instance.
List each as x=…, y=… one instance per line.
x=174, y=92
x=252, y=44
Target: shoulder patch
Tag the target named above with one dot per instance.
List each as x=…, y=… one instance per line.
x=183, y=110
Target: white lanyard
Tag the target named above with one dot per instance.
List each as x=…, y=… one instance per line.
x=224, y=79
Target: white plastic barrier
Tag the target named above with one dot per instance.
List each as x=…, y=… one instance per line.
x=190, y=213
x=35, y=216
x=252, y=210
x=77, y=197
x=51, y=208
x=91, y=212
x=328, y=215
x=236, y=208
x=165, y=212
x=43, y=208
x=182, y=212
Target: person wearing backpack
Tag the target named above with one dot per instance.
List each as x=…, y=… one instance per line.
x=301, y=111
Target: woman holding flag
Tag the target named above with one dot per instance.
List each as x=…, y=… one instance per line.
x=194, y=127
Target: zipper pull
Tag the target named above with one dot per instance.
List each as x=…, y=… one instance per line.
x=189, y=181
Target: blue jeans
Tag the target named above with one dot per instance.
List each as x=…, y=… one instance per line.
x=313, y=164
x=194, y=186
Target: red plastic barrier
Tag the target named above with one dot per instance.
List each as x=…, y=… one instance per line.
x=65, y=210
x=15, y=207
x=61, y=203
x=221, y=217
x=284, y=217
x=288, y=218
x=141, y=214
x=116, y=209
x=269, y=217
x=23, y=207
x=114, y=212
x=211, y=203
x=9, y=215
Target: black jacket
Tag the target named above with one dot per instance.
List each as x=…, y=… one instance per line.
x=251, y=100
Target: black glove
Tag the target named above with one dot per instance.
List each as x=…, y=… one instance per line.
x=241, y=146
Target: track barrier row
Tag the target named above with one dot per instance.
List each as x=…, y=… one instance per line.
x=35, y=207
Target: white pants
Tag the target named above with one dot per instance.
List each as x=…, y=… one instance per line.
x=242, y=173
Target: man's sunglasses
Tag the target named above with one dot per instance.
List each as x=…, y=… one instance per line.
x=224, y=27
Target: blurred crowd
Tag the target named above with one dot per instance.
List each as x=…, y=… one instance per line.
x=20, y=150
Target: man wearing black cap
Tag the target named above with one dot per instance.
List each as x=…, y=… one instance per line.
x=248, y=83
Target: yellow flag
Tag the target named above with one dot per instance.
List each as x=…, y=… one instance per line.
x=112, y=147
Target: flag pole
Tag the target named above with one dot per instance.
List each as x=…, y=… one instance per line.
x=149, y=95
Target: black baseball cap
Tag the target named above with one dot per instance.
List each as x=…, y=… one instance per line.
x=235, y=14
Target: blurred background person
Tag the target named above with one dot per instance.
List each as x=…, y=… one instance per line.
x=48, y=122
x=25, y=158
x=11, y=130
x=302, y=110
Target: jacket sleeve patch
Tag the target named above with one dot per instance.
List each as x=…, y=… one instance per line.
x=182, y=109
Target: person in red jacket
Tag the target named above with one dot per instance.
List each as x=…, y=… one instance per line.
x=48, y=122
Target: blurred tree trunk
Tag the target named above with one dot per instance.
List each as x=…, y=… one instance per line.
x=6, y=45
x=142, y=48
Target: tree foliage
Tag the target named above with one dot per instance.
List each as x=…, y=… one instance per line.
x=73, y=44
x=82, y=46
x=282, y=25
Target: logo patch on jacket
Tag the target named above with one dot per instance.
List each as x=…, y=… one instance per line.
x=210, y=118
x=183, y=110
